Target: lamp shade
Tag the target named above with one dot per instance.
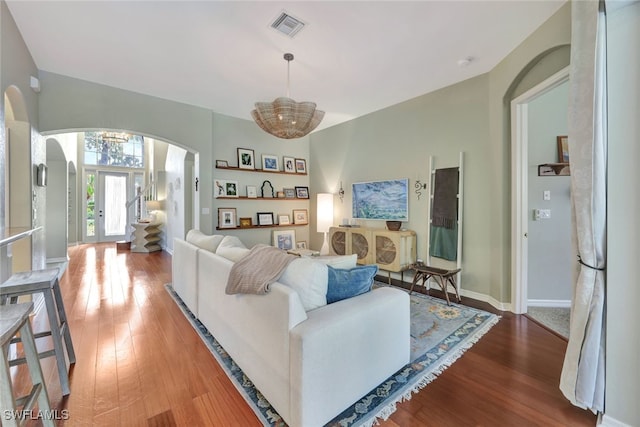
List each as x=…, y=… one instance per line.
x=325, y=212
x=153, y=205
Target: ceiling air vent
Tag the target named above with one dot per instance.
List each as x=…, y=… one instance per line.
x=287, y=24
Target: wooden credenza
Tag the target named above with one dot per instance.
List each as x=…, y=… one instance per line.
x=390, y=250
x=145, y=237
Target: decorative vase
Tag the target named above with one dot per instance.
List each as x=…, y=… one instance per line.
x=394, y=225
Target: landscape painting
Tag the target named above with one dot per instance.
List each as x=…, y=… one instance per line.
x=386, y=200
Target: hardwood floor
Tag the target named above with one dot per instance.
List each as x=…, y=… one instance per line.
x=140, y=363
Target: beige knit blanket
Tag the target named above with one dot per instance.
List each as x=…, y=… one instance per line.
x=253, y=274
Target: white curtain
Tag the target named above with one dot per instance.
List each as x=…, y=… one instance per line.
x=583, y=373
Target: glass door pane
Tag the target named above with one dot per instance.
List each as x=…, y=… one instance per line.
x=112, y=209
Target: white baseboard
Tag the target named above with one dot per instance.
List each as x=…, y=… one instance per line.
x=607, y=421
x=502, y=306
x=549, y=303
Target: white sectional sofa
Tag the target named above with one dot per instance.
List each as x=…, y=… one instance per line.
x=310, y=365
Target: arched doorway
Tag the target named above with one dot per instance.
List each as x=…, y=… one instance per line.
x=524, y=91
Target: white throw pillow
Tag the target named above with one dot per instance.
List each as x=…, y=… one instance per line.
x=204, y=241
x=309, y=279
x=344, y=262
x=232, y=249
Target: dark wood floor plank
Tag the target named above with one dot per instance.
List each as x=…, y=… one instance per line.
x=140, y=363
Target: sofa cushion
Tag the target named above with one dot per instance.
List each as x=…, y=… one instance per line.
x=347, y=283
x=339, y=261
x=204, y=241
x=232, y=249
x=309, y=279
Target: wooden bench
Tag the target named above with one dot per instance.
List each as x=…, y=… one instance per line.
x=442, y=277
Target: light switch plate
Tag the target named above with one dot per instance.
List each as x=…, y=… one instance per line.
x=546, y=195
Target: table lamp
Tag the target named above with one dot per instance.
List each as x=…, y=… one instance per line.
x=153, y=206
x=325, y=218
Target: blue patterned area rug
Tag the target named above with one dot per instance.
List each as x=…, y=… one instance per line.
x=440, y=334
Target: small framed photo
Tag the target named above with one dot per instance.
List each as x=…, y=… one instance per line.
x=252, y=192
x=301, y=166
x=270, y=163
x=284, y=239
x=289, y=164
x=284, y=220
x=231, y=188
x=246, y=158
x=219, y=188
x=300, y=216
x=222, y=164
x=289, y=193
x=563, y=149
x=245, y=222
x=301, y=245
x=302, y=192
x=265, y=218
x=226, y=217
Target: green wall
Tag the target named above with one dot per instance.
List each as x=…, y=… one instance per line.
x=471, y=116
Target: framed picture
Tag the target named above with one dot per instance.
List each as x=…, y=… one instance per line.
x=289, y=193
x=222, y=164
x=284, y=239
x=252, y=192
x=302, y=192
x=245, y=222
x=301, y=166
x=284, y=220
x=270, y=163
x=563, y=149
x=387, y=200
x=226, y=217
x=231, y=188
x=301, y=245
x=265, y=218
x=246, y=159
x=289, y=164
x=219, y=188
x=300, y=216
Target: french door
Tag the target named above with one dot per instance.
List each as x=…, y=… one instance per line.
x=106, y=218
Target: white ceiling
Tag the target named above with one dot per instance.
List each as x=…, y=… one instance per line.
x=352, y=58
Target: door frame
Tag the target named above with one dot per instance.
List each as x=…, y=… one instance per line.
x=131, y=173
x=520, y=187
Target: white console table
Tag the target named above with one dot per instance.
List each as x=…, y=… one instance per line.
x=145, y=237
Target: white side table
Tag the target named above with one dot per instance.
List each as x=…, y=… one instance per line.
x=145, y=237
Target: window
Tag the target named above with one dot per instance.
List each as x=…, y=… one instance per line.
x=90, y=217
x=113, y=149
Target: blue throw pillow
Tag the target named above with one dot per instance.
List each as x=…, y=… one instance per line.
x=347, y=283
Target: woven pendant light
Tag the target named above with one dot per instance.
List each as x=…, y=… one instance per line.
x=286, y=118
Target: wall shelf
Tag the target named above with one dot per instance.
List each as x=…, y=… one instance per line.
x=279, y=199
x=262, y=226
x=554, y=169
x=235, y=168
